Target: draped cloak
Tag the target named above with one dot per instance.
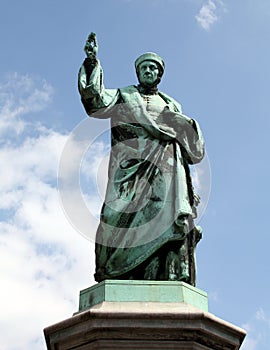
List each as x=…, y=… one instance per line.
x=149, y=184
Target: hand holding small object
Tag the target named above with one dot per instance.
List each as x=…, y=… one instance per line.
x=91, y=46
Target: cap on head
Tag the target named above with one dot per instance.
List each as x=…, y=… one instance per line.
x=150, y=56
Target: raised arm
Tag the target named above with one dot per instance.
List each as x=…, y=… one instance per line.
x=90, y=83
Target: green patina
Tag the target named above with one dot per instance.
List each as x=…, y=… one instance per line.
x=146, y=229
x=144, y=292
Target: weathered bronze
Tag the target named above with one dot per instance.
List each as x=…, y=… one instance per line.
x=146, y=228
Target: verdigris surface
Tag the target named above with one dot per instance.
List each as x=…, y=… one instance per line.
x=146, y=228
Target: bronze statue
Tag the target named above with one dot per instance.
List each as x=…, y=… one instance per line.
x=146, y=228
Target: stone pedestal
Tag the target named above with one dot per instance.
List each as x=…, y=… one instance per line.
x=143, y=315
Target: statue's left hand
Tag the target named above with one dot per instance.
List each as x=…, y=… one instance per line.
x=169, y=131
x=176, y=119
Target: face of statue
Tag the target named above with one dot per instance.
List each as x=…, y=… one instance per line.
x=148, y=73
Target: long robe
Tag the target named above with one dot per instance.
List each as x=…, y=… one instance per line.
x=149, y=185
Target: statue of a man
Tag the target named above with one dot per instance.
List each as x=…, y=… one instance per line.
x=146, y=228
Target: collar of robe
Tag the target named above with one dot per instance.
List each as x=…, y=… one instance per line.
x=145, y=90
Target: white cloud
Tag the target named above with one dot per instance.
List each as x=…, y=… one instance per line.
x=250, y=344
x=94, y=169
x=262, y=316
x=257, y=329
x=44, y=262
x=213, y=296
x=21, y=95
x=209, y=13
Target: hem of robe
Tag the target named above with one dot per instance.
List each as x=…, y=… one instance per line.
x=152, y=250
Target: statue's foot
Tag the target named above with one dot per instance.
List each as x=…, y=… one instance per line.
x=184, y=278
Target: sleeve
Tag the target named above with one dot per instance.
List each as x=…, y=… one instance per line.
x=187, y=133
x=94, y=96
x=192, y=142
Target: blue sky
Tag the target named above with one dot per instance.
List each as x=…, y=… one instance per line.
x=217, y=65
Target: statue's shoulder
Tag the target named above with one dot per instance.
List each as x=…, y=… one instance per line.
x=171, y=100
x=131, y=89
x=129, y=94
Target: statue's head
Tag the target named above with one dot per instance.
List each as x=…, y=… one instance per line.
x=149, y=69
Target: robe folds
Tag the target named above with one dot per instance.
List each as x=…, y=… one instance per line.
x=149, y=187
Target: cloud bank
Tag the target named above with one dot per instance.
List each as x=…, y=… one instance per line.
x=44, y=262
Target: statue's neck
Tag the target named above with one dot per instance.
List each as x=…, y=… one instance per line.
x=147, y=90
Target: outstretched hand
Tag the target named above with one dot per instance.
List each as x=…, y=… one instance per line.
x=91, y=46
